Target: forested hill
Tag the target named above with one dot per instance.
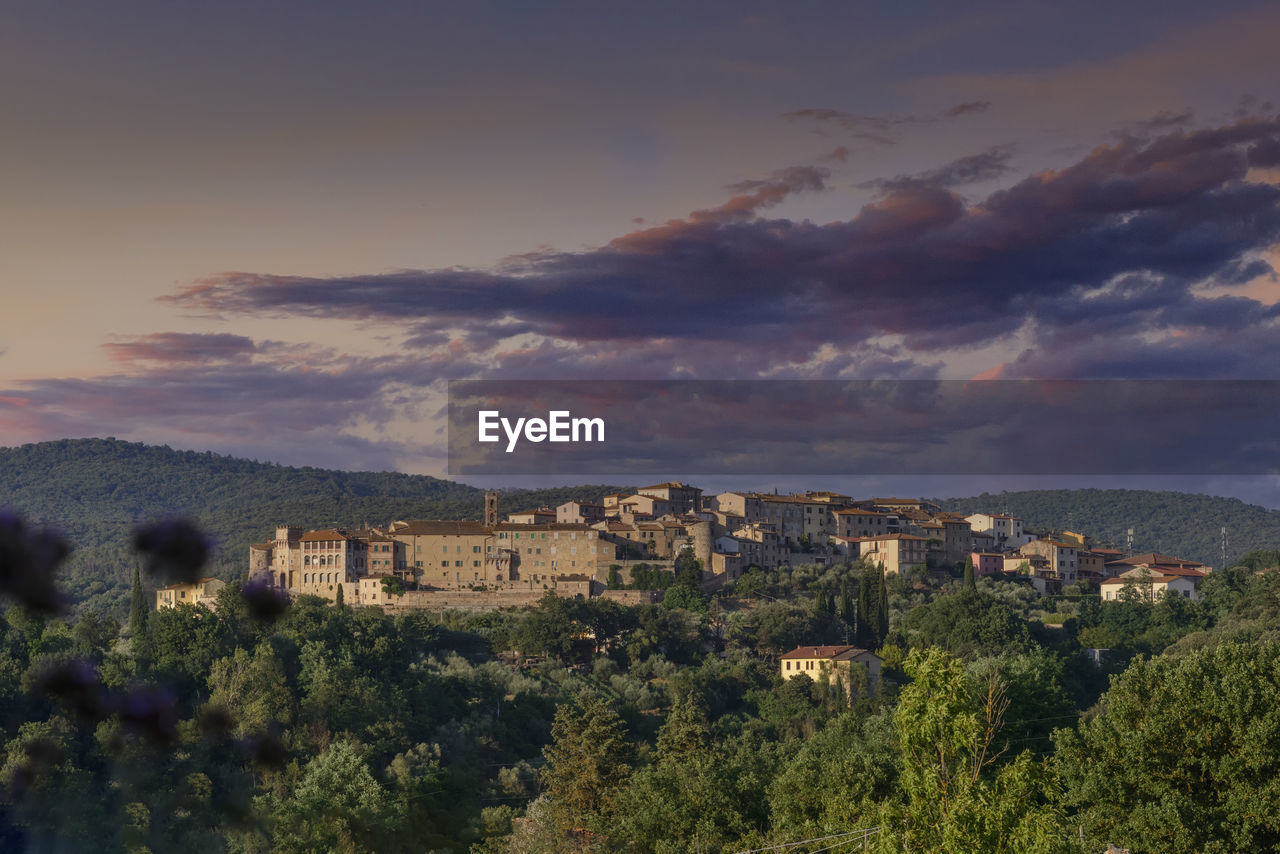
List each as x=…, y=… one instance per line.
x=1177, y=523
x=95, y=490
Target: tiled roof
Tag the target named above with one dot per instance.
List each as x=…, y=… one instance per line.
x=1153, y=558
x=455, y=528
x=179, y=586
x=824, y=652
x=323, y=535
x=544, y=526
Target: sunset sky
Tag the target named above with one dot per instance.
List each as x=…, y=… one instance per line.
x=275, y=229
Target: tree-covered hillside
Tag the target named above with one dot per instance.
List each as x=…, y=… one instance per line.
x=95, y=490
x=1189, y=526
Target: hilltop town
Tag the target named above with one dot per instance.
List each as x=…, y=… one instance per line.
x=590, y=549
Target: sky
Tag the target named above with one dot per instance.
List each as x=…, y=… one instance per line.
x=277, y=229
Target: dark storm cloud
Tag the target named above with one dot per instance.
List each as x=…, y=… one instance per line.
x=1129, y=228
x=973, y=169
x=884, y=129
x=180, y=347
x=1165, y=120
x=756, y=194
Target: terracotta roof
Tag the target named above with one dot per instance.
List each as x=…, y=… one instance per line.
x=825, y=652
x=790, y=499
x=323, y=535
x=673, y=484
x=1160, y=569
x=433, y=526
x=858, y=511
x=177, y=586
x=1153, y=558
x=544, y=526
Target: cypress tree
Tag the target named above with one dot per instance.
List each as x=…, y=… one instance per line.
x=882, y=609
x=339, y=599
x=138, y=610
x=866, y=607
x=970, y=585
x=847, y=612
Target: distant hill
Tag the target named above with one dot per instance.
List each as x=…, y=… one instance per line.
x=1177, y=523
x=96, y=490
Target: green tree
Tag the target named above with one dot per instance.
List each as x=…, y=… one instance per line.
x=970, y=585
x=882, y=606
x=138, y=610
x=337, y=806
x=588, y=762
x=847, y=612
x=696, y=795
x=252, y=688
x=838, y=778
x=1182, y=756
x=866, y=618
x=956, y=797
x=547, y=629
x=684, y=596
